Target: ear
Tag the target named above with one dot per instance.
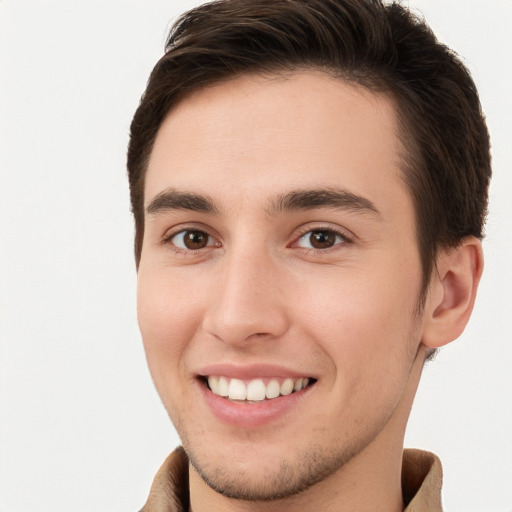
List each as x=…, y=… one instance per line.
x=452, y=292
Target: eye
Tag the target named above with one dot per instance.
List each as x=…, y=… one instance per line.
x=320, y=239
x=191, y=240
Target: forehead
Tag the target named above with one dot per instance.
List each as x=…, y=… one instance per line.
x=254, y=134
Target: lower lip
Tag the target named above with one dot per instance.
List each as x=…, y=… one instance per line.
x=251, y=415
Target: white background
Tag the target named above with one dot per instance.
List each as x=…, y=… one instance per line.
x=82, y=428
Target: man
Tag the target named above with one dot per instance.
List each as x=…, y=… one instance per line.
x=309, y=184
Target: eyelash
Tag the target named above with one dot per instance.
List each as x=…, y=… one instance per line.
x=168, y=240
x=342, y=236
x=344, y=239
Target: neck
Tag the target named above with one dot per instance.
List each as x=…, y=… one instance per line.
x=370, y=480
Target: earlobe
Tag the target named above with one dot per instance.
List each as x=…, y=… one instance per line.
x=452, y=292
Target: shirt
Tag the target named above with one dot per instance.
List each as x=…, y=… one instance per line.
x=421, y=483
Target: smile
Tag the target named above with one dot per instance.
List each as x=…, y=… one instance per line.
x=255, y=390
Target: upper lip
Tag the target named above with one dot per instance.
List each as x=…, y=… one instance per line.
x=251, y=371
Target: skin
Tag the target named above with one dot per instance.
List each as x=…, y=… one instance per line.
x=259, y=292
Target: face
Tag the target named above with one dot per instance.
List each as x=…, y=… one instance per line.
x=279, y=278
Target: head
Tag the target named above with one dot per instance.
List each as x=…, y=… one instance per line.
x=384, y=48
x=271, y=248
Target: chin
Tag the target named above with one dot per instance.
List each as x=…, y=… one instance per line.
x=258, y=476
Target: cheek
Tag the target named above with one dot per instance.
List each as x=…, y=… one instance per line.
x=364, y=321
x=368, y=332
x=167, y=317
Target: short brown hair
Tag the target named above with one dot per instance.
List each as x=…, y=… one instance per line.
x=385, y=48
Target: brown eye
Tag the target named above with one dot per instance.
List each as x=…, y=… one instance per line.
x=320, y=239
x=191, y=239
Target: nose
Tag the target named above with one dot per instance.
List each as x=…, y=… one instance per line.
x=248, y=300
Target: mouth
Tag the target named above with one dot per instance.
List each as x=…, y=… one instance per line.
x=257, y=390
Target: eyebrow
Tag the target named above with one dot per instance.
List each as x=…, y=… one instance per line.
x=172, y=199
x=321, y=198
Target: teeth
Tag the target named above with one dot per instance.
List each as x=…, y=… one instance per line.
x=287, y=387
x=223, y=386
x=237, y=390
x=273, y=389
x=255, y=390
x=213, y=382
